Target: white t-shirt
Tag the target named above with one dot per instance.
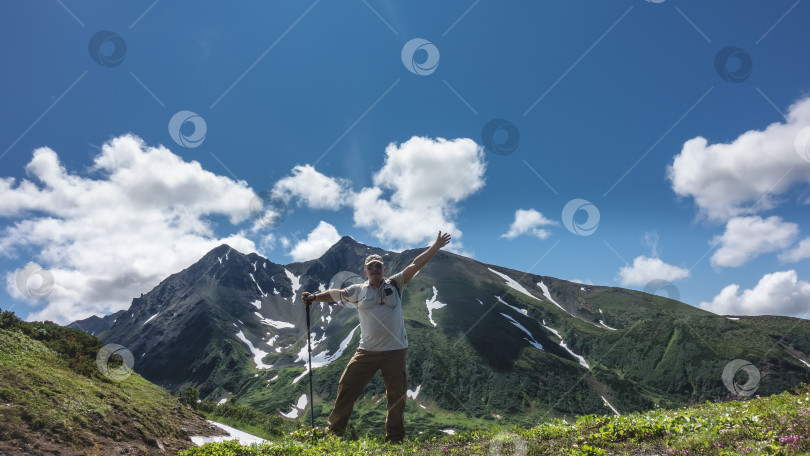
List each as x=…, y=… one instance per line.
x=382, y=327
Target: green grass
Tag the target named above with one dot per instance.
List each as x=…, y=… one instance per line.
x=50, y=387
x=777, y=425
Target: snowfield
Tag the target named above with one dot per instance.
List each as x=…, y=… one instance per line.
x=514, y=284
x=531, y=338
x=432, y=304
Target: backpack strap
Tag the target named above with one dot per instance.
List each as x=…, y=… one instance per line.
x=394, y=284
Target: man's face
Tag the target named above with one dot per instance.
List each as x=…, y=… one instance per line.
x=374, y=270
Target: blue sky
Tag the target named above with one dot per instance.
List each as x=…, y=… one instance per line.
x=315, y=103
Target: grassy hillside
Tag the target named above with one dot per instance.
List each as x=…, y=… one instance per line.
x=53, y=398
x=777, y=425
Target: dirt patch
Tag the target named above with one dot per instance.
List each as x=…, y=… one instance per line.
x=124, y=437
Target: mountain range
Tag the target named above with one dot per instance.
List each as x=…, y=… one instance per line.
x=486, y=342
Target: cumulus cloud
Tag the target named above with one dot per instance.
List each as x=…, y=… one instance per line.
x=748, y=237
x=800, y=252
x=779, y=293
x=747, y=174
x=427, y=179
x=313, y=189
x=317, y=242
x=140, y=214
x=529, y=221
x=645, y=269
x=417, y=191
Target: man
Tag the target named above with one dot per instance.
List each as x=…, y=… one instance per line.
x=383, y=342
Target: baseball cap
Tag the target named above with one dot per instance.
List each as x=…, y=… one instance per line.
x=373, y=258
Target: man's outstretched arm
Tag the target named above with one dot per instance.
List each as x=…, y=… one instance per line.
x=422, y=259
x=331, y=295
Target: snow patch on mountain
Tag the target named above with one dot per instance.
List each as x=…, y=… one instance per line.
x=296, y=283
x=258, y=304
x=544, y=288
x=274, y=323
x=606, y=326
x=150, y=319
x=257, y=285
x=233, y=434
x=432, y=304
x=414, y=393
x=532, y=341
x=563, y=345
x=322, y=358
x=257, y=354
x=272, y=341
x=297, y=408
x=523, y=311
x=513, y=284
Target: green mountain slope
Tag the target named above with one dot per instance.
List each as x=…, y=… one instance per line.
x=54, y=400
x=486, y=344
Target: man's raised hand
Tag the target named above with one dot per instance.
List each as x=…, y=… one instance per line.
x=307, y=297
x=442, y=239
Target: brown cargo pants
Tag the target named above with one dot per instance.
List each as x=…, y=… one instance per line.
x=362, y=367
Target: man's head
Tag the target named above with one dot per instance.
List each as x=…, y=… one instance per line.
x=374, y=267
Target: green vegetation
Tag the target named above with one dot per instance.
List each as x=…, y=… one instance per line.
x=775, y=425
x=248, y=419
x=52, y=395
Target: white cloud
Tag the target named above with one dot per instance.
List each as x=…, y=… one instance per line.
x=415, y=194
x=140, y=215
x=528, y=221
x=645, y=269
x=800, y=252
x=747, y=174
x=314, y=189
x=427, y=178
x=779, y=293
x=317, y=242
x=748, y=237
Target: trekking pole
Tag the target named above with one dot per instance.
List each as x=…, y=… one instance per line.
x=309, y=351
